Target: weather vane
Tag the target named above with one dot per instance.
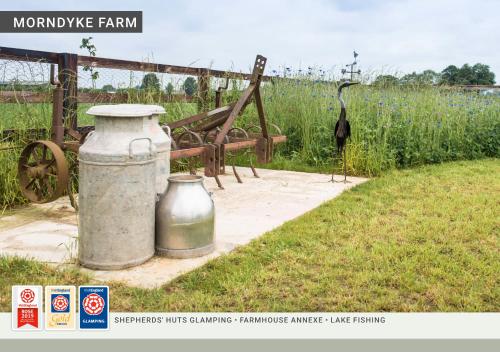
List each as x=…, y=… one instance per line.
x=342, y=128
x=351, y=66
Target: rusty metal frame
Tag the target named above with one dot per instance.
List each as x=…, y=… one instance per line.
x=214, y=125
x=219, y=122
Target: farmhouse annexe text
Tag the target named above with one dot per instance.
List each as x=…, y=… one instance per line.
x=76, y=22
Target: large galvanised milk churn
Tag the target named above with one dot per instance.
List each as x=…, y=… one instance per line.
x=117, y=189
x=185, y=219
x=162, y=142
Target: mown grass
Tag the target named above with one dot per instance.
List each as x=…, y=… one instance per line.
x=423, y=239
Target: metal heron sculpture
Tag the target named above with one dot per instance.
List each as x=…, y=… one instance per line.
x=342, y=128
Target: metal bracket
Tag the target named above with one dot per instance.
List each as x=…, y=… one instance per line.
x=221, y=155
x=264, y=150
x=209, y=159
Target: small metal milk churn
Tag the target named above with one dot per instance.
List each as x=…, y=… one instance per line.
x=185, y=219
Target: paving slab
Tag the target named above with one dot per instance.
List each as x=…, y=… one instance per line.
x=48, y=232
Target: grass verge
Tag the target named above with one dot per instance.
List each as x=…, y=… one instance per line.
x=424, y=239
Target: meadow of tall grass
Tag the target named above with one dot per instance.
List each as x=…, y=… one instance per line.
x=392, y=127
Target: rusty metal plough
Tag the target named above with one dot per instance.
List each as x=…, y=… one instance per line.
x=212, y=137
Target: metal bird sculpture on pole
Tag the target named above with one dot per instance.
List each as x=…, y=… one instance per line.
x=342, y=128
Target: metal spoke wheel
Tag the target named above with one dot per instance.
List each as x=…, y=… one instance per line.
x=72, y=184
x=42, y=171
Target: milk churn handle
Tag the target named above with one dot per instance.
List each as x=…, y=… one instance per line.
x=169, y=133
x=138, y=139
x=86, y=136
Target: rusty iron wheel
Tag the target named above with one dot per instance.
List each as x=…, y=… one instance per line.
x=237, y=132
x=211, y=135
x=193, y=139
x=42, y=171
x=72, y=184
x=278, y=130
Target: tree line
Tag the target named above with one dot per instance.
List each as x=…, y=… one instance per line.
x=478, y=74
x=151, y=82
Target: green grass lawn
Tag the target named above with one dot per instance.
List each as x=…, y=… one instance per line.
x=424, y=239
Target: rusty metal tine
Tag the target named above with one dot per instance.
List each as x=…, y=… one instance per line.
x=218, y=182
x=253, y=169
x=238, y=178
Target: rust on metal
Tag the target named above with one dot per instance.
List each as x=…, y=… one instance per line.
x=209, y=136
x=220, y=137
x=43, y=171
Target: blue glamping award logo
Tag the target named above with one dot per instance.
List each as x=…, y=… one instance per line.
x=94, y=307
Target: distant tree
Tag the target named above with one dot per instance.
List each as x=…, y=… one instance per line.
x=477, y=74
x=169, y=89
x=483, y=75
x=150, y=82
x=450, y=75
x=386, y=80
x=108, y=88
x=465, y=75
x=410, y=78
x=190, y=86
x=429, y=77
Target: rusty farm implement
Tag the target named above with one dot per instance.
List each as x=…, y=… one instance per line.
x=210, y=136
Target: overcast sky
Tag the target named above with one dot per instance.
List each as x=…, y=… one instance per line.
x=389, y=35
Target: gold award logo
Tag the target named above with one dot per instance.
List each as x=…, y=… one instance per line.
x=60, y=307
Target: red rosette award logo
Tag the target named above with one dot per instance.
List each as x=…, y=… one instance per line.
x=93, y=304
x=26, y=307
x=27, y=295
x=60, y=303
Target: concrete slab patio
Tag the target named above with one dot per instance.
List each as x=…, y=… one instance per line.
x=48, y=232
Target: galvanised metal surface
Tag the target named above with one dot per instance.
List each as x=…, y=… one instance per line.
x=162, y=142
x=185, y=219
x=117, y=190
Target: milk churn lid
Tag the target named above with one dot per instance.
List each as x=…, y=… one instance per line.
x=155, y=109
x=121, y=110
